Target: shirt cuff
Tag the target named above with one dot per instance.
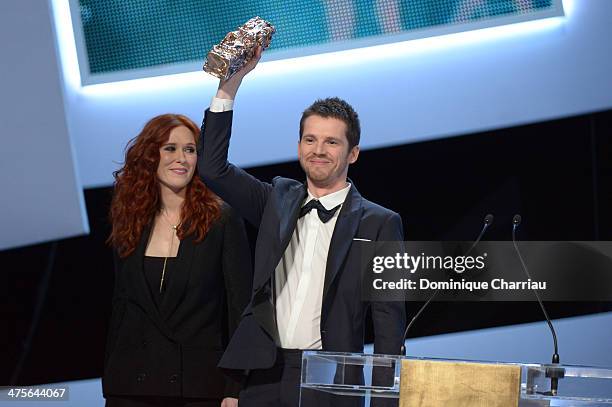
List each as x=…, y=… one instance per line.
x=221, y=105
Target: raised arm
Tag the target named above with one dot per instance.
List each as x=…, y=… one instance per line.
x=242, y=191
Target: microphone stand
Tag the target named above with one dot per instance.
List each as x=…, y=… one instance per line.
x=553, y=372
x=488, y=220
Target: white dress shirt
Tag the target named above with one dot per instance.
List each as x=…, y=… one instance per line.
x=300, y=276
x=221, y=105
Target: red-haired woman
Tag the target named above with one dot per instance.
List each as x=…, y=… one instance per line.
x=182, y=276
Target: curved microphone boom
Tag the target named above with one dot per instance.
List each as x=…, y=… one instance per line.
x=488, y=220
x=554, y=373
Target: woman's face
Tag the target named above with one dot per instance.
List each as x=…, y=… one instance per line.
x=177, y=159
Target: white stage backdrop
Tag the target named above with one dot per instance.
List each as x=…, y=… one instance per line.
x=42, y=197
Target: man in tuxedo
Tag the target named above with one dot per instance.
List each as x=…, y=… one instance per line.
x=307, y=290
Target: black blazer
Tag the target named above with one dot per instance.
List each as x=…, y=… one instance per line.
x=274, y=209
x=173, y=350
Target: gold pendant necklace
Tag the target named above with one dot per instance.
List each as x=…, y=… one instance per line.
x=174, y=227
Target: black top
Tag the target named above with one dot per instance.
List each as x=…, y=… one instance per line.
x=153, y=268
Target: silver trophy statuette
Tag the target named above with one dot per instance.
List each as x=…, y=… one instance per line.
x=238, y=47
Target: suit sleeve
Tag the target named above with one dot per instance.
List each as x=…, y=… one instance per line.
x=117, y=313
x=238, y=277
x=242, y=191
x=389, y=317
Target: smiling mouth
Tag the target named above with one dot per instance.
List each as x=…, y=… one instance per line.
x=178, y=171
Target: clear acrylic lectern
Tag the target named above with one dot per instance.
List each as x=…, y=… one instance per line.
x=363, y=380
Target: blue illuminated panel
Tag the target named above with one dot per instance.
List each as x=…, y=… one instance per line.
x=120, y=36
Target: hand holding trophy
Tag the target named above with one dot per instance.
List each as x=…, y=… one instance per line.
x=238, y=48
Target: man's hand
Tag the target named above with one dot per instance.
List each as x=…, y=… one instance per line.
x=229, y=88
x=229, y=402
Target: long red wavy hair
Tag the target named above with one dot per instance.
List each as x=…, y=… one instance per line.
x=136, y=198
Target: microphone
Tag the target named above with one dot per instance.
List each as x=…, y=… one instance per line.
x=554, y=373
x=488, y=220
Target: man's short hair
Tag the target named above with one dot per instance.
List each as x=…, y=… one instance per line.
x=338, y=109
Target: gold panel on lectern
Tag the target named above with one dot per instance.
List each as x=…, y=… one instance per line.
x=427, y=383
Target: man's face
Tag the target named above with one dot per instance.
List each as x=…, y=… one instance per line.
x=323, y=152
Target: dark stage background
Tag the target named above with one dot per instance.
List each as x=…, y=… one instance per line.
x=556, y=174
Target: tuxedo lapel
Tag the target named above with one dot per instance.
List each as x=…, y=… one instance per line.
x=289, y=209
x=263, y=300
x=289, y=215
x=342, y=238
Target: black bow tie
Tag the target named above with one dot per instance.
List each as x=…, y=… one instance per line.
x=324, y=214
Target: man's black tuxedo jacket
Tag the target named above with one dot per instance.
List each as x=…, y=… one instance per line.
x=173, y=350
x=274, y=209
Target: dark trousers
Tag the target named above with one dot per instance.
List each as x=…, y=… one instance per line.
x=278, y=386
